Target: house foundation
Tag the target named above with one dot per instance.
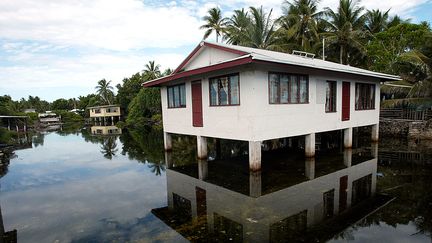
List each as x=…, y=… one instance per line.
x=255, y=155
x=348, y=137
x=310, y=145
x=167, y=141
x=202, y=147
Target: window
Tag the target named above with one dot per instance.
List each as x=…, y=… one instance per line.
x=330, y=105
x=97, y=111
x=288, y=88
x=225, y=90
x=328, y=198
x=365, y=96
x=176, y=96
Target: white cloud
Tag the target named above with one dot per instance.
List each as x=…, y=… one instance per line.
x=109, y=24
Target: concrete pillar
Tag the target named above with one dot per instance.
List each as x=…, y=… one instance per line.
x=255, y=155
x=168, y=160
x=8, y=124
x=310, y=168
x=374, y=150
x=112, y=121
x=347, y=157
x=167, y=141
x=290, y=143
x=310, y=145
x=17, y=128
x=375, y=133
x=202, y=147
x=255, y=183
x=348, y=137
x=202, y=169
x=218, y=148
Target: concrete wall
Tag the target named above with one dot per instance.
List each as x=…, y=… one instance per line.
x=255, y=119
x=104, y=112
x=256, y=215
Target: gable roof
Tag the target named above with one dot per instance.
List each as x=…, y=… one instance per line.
x=254, y=55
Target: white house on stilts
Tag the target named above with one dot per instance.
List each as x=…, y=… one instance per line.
x=240, y=93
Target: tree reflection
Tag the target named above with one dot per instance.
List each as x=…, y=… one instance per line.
x=109, y=147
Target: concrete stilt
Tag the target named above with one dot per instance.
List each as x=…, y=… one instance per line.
x=310, y=145
x=255, y=184
x=374, y=150
x=255, y=155
x=17, y=128
x=167, y=141
x=112, y=121
x=375, y=133
x=310, y=168
x=348, y=137
x=218, y=148
x=202, y=169
x=347, y=157
x=168, y=160
x=202, y=147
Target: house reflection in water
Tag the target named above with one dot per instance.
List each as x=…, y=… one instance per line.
x=297, y=204
x=105, y=130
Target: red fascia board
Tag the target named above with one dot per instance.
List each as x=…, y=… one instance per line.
x=201, y=45
x=206, y=69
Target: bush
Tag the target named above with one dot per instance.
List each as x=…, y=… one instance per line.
x=6, y=136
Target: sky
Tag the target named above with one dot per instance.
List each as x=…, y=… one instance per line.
x=61, y=48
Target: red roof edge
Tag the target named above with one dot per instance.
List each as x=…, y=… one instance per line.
x=233, y=63
x=223, y=48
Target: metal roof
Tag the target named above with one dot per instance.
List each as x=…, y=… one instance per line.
x=260, y=55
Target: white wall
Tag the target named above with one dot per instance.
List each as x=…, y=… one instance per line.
x=208, y=56
x=256, y=120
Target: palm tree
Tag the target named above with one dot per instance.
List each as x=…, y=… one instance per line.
x=376, y=21
x=214, y=22
x=151, y=71
x=236, y=27
x=346, y=28
x=109, y=148
x=105, y=91
x=300, y=21
x=157, y=167
x=261, y=32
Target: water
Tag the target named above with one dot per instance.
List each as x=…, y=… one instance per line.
x=72, y=186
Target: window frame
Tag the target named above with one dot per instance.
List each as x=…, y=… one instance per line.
x=359, y=105
x=180, y=93
x=297, y=75
x=333, y=102
x=229, y=90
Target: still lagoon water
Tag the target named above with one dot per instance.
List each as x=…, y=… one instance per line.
x=74, y=186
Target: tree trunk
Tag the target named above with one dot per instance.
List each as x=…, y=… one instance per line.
x=341, y=54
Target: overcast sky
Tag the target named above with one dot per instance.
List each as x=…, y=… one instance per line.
x=61, y=48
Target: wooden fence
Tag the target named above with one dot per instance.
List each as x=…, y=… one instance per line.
x=406, y=114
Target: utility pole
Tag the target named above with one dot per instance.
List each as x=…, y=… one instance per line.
x=323, y=49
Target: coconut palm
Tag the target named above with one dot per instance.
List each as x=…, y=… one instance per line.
x=214, y=22
x=346, y=28
x=261, y=32
x=109, y=147
x=151, y=71
x=376, y=21
x=300, y=21
x=105, y=91
x=236, y=27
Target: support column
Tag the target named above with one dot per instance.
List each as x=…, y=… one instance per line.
x=112, y=121
x=310, y=145
x=255, y=184
x=255, y=155
x=202, y=147
x=310, y=168
x=168, y=160
x=374, y=150
x=218, y=148
x=202, y=169
x=348, y=136
x=167, y=141
x=375, y=133
x=347, y=157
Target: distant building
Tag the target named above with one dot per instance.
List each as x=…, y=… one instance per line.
x=77, y=111
x=30, y=110
x=49, y=118
x=105, y=113
x=106, y=130
x=248, y=94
